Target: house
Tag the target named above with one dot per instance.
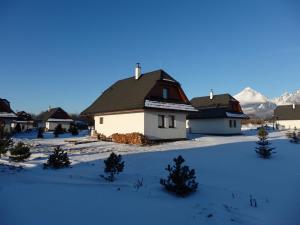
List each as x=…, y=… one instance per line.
x=7, y=115
x=217, y=114
x=287, y=116
x=25, y=121
x=54, y=116
x=152, y=104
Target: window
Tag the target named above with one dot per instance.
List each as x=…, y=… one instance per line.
x=230, y=123
x=165, y=93
x=161, y=121
x=101, y=120
x=171, y=121
x=234, y=123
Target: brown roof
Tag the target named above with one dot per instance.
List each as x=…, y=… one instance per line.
x=24, y=116
x=222, y=100
x=286, y=112
x=128, y=94
x=54, y=113
x=5, y=106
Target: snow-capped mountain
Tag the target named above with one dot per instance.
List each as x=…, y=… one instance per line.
x=288, y=98
x=255, y=104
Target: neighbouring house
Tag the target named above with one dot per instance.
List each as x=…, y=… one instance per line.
x=52, y=117
x=152, y=104
x=25, y=121
x=217, y=114
x=287, y=116
x=7, y=115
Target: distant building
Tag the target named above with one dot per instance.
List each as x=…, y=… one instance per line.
x=52, y=117
x=25, y=121
x=7, y=115
x=217, y=114
x=287, y=116
x=152, y=104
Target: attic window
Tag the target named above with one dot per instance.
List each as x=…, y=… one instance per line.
x=165, y=93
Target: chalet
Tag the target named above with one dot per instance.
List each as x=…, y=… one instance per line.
x=25, y=121
x=217, y=114
x=287, y=116
x=7, y=115
x=152, y=104
x=54, y=116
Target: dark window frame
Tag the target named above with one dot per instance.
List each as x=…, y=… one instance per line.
x=163, y=125
x=234, y=123
x=172, y=117
x=230, y=123
x=165, y=91
x=101, y=120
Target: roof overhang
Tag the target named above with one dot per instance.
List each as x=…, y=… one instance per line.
x=169, y=106
x=236, y=115
x=59, y=120
x=7, y=115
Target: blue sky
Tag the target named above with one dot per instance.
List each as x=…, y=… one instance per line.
x=65, y=53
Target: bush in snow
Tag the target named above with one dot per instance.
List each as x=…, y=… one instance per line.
x=59, y=159
x=5, y=141
x=40, y=133
x=20, y=152
x=18, y=128
x=58, y=130
x=73, y=129
x=113, y=166
x=295, y=138
x=181, y=179
x=263, y=149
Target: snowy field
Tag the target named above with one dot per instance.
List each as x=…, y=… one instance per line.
x=227, y=168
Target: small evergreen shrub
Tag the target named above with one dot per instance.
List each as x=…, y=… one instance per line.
x=73, y=129
x=181, y=180
x=20, y=152
x=113, y=165
x=18, y=128
x=58, y=130
x=40, y=133
x=294, y=138
x=59, y=159
x=5, y=140
x=263, y=150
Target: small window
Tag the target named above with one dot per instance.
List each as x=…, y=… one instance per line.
x=161, y=121
x=234, y=123
x=101, y=120
x=171, y=121
x=165, y=93
x=230, y=123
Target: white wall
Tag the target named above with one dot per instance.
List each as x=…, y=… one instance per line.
x=213, y=126
x=289, y=124
x=153, y=132
x=52, y=125
x=120, y=123
x=142, y=122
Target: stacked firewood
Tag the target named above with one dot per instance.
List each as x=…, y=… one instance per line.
x=131, y=138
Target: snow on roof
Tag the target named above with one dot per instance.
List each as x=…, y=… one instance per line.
x=166, y=105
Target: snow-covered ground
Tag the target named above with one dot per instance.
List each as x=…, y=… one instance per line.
x=227, y=169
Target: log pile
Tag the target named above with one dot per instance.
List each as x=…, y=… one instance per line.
x=131, y=138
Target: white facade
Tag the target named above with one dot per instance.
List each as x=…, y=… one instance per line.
x=50, y=125
x=288, y=124
x=221, y=126
x=24, y=125
x=144, y=122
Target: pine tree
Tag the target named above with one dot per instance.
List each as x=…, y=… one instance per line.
x=295, y=138
x=40, y=133
x=263, y=150
x=5, y=140
x=73, y=129
x=59, y=159
x=113, y=165
x=20, y=152
x=58, y=130
x=18, y=128
x=181, y=180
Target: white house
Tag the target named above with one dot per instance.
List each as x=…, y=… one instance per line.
x=287, y=116
x=217, y=114
x=7, y=115
x=152, y=104
x=54, y=116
